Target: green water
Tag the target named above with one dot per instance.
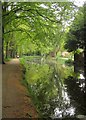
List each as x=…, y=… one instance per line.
x=54, y=89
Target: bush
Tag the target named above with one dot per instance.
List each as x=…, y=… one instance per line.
x=69, y=62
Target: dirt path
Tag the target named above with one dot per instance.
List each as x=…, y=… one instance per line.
x=15, y=103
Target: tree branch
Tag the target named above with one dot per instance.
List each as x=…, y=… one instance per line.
x=48, y=17
x=18, y=30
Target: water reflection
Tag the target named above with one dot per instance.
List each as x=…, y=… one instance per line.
x=67, y=112
x=55, y=91
x=76, y=89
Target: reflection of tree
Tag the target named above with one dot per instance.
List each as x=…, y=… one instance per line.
x=46, y=82
x=79, y=62
x=49, y=92
x=60, y=105
x=77, y=94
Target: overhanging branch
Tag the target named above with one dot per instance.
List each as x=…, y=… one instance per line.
x=47, y=17
x=16, y=30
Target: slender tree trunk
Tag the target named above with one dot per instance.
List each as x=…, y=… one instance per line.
x=75, y=63
x=0, y=32
x=3, y=10
x=3, y=45
x=7, y=50
x=11, y=53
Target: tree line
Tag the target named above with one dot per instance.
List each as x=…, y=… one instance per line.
x=34, y=27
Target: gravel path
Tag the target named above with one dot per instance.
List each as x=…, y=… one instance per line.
x=15, y=103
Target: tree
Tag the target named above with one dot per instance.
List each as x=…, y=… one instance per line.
x=75, y=36
x=78, y=31
x=39, y=25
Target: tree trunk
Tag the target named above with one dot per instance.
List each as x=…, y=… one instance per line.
x=6, y=50
x=3, y=10
x=0, y=33
x=75, y=63
x=3, y=45
x=11, y=53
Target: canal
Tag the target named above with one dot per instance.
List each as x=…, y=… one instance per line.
x=56, y=90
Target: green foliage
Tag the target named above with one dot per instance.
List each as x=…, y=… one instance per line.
x=76, y=33
x=8, y=59
x=69, y=62
x=59, y=58
x=35, y=26
x=44, y=82
x=71, y=45
x=78, y=51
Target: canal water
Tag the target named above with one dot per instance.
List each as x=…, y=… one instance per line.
x=56, y=90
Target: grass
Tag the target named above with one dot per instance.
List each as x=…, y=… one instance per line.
x=7, y=59
x=29, y=58
x=26, y=84
x=63, y=60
